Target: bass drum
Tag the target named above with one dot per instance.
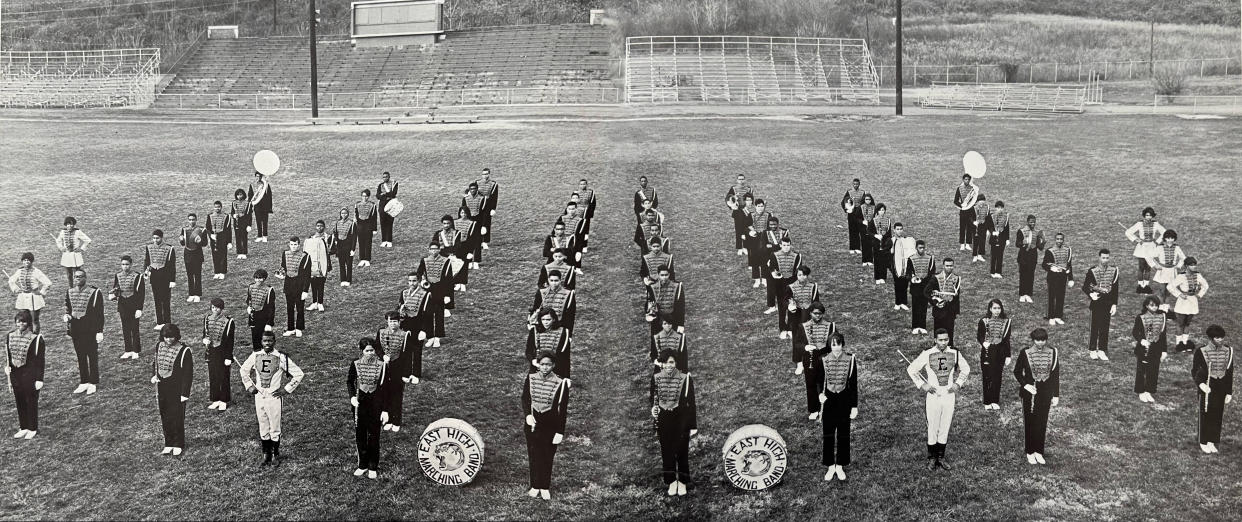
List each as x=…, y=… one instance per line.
x=755, y=457
x=394, y=207
x=450, y=452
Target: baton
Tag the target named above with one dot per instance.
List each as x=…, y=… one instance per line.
x=903, y=356
x=1207, y=394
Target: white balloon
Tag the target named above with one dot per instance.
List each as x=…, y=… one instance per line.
x=974, y=164
x=266, y=162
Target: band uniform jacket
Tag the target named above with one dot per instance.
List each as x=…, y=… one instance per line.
x=90, y=319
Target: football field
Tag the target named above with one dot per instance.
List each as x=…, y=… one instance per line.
x=1109, y=455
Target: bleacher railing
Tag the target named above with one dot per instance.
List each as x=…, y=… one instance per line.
x=412, y=99
x=749, y=69
x=98, y=78
x=1025, y=97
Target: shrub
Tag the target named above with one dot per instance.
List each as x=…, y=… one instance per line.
x=1169, y=79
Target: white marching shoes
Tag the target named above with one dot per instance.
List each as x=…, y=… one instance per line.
x=672, y=487
x=20, y=434
x=1039, y=457
x=532, y=493
x=1030, y=458
x=81, y=388
x=813, y=416
x=358, y=472
x=547, y=495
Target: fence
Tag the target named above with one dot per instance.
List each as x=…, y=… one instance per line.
x=394, y=99
x=102, y=78
x=1195, y=104
x=922, y=74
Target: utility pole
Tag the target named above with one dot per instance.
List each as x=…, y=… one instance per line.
x=898, y=81
x=314, y=72
x=274, y=17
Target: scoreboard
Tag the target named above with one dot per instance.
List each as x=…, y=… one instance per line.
x=396, y=22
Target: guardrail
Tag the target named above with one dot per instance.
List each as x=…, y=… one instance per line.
x=416, y=99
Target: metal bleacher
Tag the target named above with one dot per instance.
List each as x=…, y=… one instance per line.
x=519, y=64
x=1026, y=97
x=79, y=79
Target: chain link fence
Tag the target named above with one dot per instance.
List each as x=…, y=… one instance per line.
x=923, y=74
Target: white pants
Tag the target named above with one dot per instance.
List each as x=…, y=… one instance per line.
x=939, y=417
x=268, y=410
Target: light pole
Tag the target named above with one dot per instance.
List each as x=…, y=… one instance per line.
x=897, y=82
x=314, y=64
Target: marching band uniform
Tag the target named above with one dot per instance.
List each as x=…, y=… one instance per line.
x=737, y=192
x=866, y=240
x=435, y=269
x=947, y=307
x=586, y=215
x=921, y=269
x=964, y=198
x=839, y=404
x=219, y=230
x=450, y=242
x=172, y=373
x=475, y=202
x=997, y=228
x=261, y=312
x=218, y=338
x=369, y=384
x=405, y=361
x=649, y=268
x=85, y=318
x=1101, y=281
x=741, y=225
x=365, y=216
x=672, y=399
x=670, y=340
x=1061, y=257
x=344, y=242
x=555, y=340
x=756, y=243
x=666, y=300
x=642, y=237
x=71, y=246
x=1166, y=262
x=1030, y=243
x=1146, y=237
x=568, y=276
x=1187, y=287
x=851, y=204
x=782, y=271
x=574, y=226
x=983, y=211
x=815, y=335
x=587, y=197
x=269, y=376
x=296, y=267
x=773, y=236
x=1213, y=369
x=993, y=335
x=545, y=399
x=193, y=239
x=1041, y=368
x=385, y=192
x=903, y=248
x=130, y=295
x=491, y=191
x=471, y=248
x=260, y=195
x=565, y=241
x=161, y=266
x=1150, y=333
x=645, y=193
x=939, y=370
x=799, y=299
x=880, y=230
x=319, y=252
x=26, y=355
x=421, y=313
x=242, y=213
x=30, y=285
x=562, y=301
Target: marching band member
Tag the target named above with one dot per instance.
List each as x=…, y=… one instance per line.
x=129, y=294
x=193, y=238
x=317, y=248
x=782, y=271
x=369, y=384
x=738, y=192
x=996, y=227
x=673, y=408
x=420, y=311
x=404, y=358
x=385, y=192
x=903, y=247
x=851, y=203
x=295, y=270
x=557, y=298
x=260, y=308
x=160, y=269
x=995, y=354
x=666, y=300
x=1145, y=234
x=742, y=215
x=1188, y=287
x=920, y=268
x=575, y=225
x=810, y=342
x=172, y=374
x=772, y=236
x=560, y=239
x=476, y=204
x=940, y=371
x=218, y=337
x=838, y=400
x=71, y=242
x=545, y=400
x=84, y=318
x=1030, y=244
x=1213, y=374
x=260, y=196
x=24, y=367
x=471, y=248
x=1167, y=262
x=344, y=242
x=964, y=198
x=645, y=193
x=450, y=241
x=983, y=210
x=653, y=239
x=802, y=294
x=880, y=232
x=656, y=257
x=866, y=241
x=944, y=292
x=1059, y=263
x=1038, y=372
x=269, y=375
x=219, y=230
x=757, y=253
x=490, y=190
x=30, y=285
x=548, y=337
x=242, y=213
x=1151, y=347
x=365, y=216
x=649, y=219
x=1100, y=285
x=558, y=264
x=581, y=212
x=669, y=339
x=587, y=196
x=435, y=270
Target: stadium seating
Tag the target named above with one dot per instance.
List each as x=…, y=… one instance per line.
x=1025, y=97
x=519, y=64
x=103, y=78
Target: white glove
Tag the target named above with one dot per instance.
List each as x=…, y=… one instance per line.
x=556, y=439
x=681, y=329
x=351, y=253
x=530, y=420
x=1113, y=310
x=184, y=398
x=422, y=336
x=383, y=417
x=155, y=379
x=490, y=213
x=249, y=228
x=305, y=295
x=1145, y=343
x=1008, y=360
x=137, y=314
x=1030, y=388
x=249, y=310
x=1071, y=284
x=66, y=317
x=112, y=297
x=1095, y=296
x=470, y=257
x=405, y=380
x=1164, y=355
x=853, y=413
x=485, y=228
x=823, y=398
x=809, y=348
x=387, y=358
x=206, y=342
x=1056, y=400
x=447, y=300
x=694, y=432
x=1228, y=398
x=986, y=344
x=213, y=236
x=792, y=307
x=1205, y=388
x=227, y=363
x=39, y=386
x=7, y=370
x=353, y=401
x=459, y=287
x=650, y=318
x=172, y=284
x=229, y=247
x=655, y=411
x=1007, y=242
x=413, y=380
x=99, y=337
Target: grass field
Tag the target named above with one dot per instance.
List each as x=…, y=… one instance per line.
x=1110, y=456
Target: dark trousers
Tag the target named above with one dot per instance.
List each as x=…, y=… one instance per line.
x=1026, y=274
x=241, y=238
x=1147, y=374
x=218, y=377
x=674, y=446
x=161, y=295
x=367, y=430
x=785, y=319
x=966, y=227
x=882, y=258
x=946, y=320
x=485, y=221
x=1210, y=417
x=345, y=267
x=996, y=261
x=979, y=246
x=856, y=231
x=1056, y=295
x=219, y=257
x=317, y=289
x=295, y=314
x=901, y=291
x=814, y=379
x=868, y=245
x=396, y=401
x=1100, y=320
x=541, y=450
x=194, y=271
x=260, y=223
x=365, y=237
x=918, y=306
x=125, y=308
x=385, y=223
x=1144, y=269
x=836, y=419
x=1035, y=418
x=88, y=357
x=26, y=397
x=992, y=368
x=258, y=323
x=172, y=413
